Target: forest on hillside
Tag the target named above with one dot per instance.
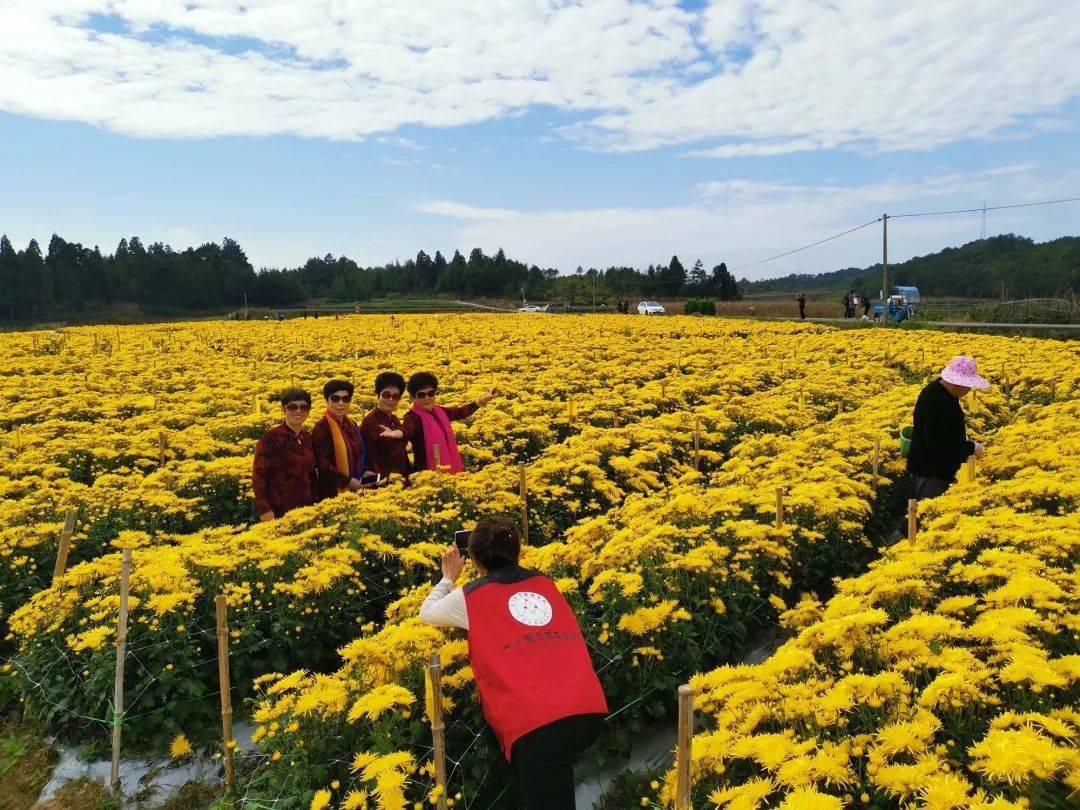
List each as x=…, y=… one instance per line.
x=1006, y=266
x=69, y=279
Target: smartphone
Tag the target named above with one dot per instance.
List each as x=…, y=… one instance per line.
x=370, y=479
x=461, y=540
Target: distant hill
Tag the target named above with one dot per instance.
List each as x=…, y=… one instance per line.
x=1009, y=265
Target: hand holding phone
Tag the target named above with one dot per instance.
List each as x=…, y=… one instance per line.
x=461, y=540
x=370, y=479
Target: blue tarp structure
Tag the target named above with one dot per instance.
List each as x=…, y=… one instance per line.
x=909, y=294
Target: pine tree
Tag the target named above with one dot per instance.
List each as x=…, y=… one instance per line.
x=9, y=276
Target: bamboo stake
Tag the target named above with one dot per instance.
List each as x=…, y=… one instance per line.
x=434, y=673
x=663, y=389
x=779, y=507
x=223, y=683
x=877, y=461
x=1053, y=390
x=161, y=448
x=697, y=442
x=683, y=755
x=970, y=465
x=256, y=406
x=912, y=518
x=524, y=508
x=438, y=461
x=121, y=655
x=65, y=545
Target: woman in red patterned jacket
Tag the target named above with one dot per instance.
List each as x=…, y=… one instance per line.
x=283, y=475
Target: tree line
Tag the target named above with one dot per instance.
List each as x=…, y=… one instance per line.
x=70, y=278
x=997, y=267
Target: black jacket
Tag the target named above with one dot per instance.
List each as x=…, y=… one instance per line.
x=939, y=443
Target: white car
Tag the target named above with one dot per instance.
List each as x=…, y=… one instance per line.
x=534, y=308
x=650, y=308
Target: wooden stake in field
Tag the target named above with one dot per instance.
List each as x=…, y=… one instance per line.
x=697, y=442
x=969, y=469
x=524, y=491
x=121, y=655
x=779, y=507
x=256, y=405
x=65, y=545
x=877, y=462
x=223, y=682
x=438, y=460
x=684, y=751
x=438, y=728
x=161, y=448
x=663, y=389
x=912, y=518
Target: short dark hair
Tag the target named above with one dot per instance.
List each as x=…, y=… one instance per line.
x=389, y=379
x=495, y=543
x=337, y=385
x=292, y=395
x=421, y=380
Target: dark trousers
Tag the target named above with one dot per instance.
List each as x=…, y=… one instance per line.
x=929, y=487
x=802, y=312
x=544, y=760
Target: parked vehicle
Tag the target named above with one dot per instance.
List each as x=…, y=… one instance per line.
x=650, y=308
x=535, y=308
x=901, y=305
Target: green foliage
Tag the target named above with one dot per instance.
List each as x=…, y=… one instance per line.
x=1007, y=265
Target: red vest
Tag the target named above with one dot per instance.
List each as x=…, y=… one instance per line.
x=527, y=654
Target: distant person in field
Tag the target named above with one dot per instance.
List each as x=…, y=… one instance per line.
x=339, y=448
x=382, y=431
x=865, y=305
x=849, y=304
x=283, y=475
x=939, y=442
x=537, y=685
x=801, y=299
x=427, y=424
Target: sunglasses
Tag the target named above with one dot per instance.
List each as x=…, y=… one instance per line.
x=293, y=407
x=427, y=393
x=389, y=396
x=340, y=398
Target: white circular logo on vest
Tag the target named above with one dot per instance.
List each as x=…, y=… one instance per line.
x=530, y=608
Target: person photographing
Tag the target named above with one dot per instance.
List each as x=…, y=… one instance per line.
x=939, y=442
x=536, y=683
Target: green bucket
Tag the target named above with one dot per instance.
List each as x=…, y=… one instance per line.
x=905, y=440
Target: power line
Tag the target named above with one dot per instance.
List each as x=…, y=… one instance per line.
x=984, y=208
x=807, y=247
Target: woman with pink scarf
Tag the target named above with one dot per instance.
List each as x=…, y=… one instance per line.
x=427, y=425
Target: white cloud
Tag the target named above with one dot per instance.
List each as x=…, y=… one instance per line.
x=462, y=211
x=735, y=78
x=742, y=221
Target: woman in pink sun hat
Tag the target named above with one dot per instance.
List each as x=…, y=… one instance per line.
x=939, y=442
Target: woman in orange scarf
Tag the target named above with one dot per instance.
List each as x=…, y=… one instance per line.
x=339, y=448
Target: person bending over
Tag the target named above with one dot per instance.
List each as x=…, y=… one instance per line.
x=537, y=686
x=939, y=442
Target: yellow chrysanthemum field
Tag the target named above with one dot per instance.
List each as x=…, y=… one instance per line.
x=938, y=672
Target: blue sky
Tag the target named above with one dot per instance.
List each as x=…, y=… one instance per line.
x=568, y=134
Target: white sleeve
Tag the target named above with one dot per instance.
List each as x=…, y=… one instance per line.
x=445, y=606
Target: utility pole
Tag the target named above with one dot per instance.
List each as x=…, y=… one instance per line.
x=593, y=271
x=245, y=307
x=884, y=263
x=982, y=229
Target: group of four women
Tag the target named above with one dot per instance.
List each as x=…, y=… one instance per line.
x=294, y=467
